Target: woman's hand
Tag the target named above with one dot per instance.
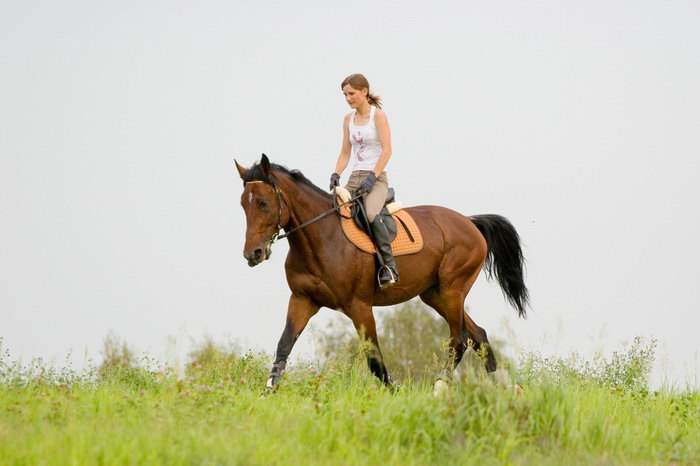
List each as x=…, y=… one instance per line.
x=368, y=184
x=335, y=181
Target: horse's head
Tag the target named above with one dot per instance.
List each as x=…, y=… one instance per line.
x=263, y=206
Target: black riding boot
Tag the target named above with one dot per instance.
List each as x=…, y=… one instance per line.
x=387, y=274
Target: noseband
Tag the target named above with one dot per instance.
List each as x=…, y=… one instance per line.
x=281, y=196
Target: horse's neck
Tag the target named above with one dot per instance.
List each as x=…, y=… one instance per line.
x=305, y=204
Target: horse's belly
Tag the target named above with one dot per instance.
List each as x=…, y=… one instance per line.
x=417, y=273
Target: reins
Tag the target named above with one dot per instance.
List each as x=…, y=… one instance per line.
x=281, y=196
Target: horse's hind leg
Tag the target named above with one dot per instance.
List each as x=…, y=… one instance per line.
x=450, y=307
x=447, y=298
x=481, y=341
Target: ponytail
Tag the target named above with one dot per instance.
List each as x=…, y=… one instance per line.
x=374, y=100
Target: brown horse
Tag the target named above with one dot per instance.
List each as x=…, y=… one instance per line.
x=324, y=268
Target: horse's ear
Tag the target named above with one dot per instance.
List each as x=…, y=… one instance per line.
x=241, y=170
x=265, y=165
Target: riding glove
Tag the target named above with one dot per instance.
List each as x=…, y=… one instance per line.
x=368, y=184
x=335, y=180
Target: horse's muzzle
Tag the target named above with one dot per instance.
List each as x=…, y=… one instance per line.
x=255, y=257
x=258, y=255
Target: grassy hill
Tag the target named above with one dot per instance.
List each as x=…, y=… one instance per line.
x=568, y=413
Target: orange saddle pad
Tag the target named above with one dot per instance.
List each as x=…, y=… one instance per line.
x=401, y=245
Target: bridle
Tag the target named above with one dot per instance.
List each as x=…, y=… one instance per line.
x=283, y=197
x=280, y=197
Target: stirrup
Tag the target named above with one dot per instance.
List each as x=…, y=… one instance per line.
x=393, y=278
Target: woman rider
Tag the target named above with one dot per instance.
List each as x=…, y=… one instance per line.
x=366, y=132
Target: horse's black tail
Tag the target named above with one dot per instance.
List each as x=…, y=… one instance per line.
x=505, y=259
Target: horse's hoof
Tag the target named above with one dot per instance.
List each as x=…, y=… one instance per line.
x=439, y=388
x=267, y=391
x=394, y=387
x=270, y=387
x=500, y=377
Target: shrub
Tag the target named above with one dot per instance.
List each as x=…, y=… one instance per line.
x=116, y=354
x=628, y=369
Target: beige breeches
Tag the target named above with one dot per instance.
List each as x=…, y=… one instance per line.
x=374, y=201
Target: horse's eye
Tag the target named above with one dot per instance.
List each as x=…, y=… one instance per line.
x=262, y=204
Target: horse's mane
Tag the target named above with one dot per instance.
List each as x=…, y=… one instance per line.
x=255, y=173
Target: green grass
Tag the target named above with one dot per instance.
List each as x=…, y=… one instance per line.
x=338, y=415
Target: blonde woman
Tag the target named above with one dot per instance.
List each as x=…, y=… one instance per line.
x=366, y=136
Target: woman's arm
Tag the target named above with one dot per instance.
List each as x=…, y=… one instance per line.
x=345, y=148
x=382, y=124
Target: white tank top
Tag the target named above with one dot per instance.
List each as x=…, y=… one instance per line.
x=366, y=147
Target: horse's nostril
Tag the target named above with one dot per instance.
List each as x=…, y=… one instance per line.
x=255, y=256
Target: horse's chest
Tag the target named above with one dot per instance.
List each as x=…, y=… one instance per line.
x=310, y=285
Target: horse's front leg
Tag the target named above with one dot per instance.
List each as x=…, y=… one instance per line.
x=363, y=319
x=300, y=310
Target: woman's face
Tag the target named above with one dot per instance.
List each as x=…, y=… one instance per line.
x=354, y=97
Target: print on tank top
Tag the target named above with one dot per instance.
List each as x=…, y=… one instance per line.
x=358, y=139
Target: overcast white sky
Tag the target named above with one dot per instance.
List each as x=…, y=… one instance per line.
x=119, y=123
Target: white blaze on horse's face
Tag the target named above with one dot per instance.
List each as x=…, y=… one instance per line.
x=262, y=215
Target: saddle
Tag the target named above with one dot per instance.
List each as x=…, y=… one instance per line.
x=407, y=236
